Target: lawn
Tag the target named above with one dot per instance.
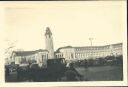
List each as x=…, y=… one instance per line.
x=99, y=73
x=102, y=73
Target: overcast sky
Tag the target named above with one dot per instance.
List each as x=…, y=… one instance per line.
x=71, y=24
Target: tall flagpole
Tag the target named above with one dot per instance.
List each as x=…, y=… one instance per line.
x=91, y=46
x=91, y=40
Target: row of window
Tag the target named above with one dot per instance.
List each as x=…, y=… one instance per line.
x=83, y=54
x=98, y=51
x=99, y=48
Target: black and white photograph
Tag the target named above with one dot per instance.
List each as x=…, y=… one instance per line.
x=64, y=42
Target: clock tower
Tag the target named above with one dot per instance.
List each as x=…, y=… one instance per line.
x=49, y=43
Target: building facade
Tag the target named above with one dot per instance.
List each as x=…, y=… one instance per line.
x=80, y=53
x=22, y=57
x=39, y=56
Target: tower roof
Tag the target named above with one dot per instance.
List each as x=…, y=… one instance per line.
x=48, y=31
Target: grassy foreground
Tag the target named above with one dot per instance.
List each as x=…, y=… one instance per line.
x=102, y=73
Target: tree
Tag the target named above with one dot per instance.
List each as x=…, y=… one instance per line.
x=9, y=49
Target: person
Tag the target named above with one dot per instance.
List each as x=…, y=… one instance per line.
x=72, y=74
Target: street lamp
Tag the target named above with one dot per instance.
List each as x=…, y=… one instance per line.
x=91, y=45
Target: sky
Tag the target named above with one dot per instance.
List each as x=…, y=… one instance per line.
x=71, y=24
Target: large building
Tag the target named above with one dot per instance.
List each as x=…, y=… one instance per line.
x=68, y=52
x=38, y=56
x=80, y=53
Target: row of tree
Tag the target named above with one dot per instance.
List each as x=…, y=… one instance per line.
x=108, y=60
